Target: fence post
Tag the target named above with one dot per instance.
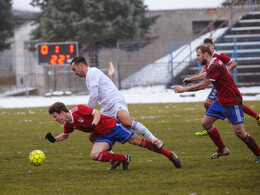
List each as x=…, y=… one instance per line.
x=170, y=66
x=231, y=16
x=118, y=79
x=251, y=3
x=234, y=56
x=171, y=63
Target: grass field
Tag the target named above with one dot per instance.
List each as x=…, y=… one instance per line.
x=68, y=168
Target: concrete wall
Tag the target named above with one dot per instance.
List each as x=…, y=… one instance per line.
x=26, y=66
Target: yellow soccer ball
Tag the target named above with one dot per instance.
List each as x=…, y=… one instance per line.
x=37, y=157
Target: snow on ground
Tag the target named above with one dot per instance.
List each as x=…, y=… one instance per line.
x=137, y=95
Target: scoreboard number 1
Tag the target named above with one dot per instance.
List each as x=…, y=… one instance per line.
x=56, y=53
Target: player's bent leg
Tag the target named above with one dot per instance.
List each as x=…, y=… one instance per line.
x=113, y=164
x=149, y=145
x=208, y=102
x=142, y=130
x=99, y=153
x=135, y=140
x=247, y=139
x=126, y=120
x=214, y=135
x=239, y=130
x=208, y=121
x=98, y=148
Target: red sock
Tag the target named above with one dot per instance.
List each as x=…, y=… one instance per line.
x=249, y=111
x=149, y=145
x=251, y=144
x=107, y=157
x=215, y=137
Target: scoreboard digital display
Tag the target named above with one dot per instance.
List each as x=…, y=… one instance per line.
x=56, y=53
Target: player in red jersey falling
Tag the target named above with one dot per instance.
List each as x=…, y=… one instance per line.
x=228, y=104
x=213, y=93
x=107, y=129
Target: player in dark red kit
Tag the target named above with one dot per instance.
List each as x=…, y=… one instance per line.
x=228, y=104
x=213, y=94
x=107, y=129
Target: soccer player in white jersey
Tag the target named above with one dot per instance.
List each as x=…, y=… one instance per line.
x=103, y=91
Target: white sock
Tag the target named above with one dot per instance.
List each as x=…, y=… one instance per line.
x=142, y=130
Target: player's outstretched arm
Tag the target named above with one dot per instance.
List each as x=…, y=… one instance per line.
x=179, y=89
x=53, y=139
x=197, y=87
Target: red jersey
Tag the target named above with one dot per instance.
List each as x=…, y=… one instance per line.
x=218, y=74
x=222, y=57
x=83, y=115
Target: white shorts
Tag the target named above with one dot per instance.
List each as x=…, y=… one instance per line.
x=112, y=112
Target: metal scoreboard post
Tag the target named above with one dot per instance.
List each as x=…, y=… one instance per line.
x=59, y=53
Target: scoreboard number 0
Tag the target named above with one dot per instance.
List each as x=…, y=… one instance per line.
x=56, y=53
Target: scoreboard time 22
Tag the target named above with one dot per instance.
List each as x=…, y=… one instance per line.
x=56, y=53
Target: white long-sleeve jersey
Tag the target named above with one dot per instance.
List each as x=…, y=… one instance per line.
x=102, y=90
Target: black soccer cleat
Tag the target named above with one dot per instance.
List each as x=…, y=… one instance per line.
x=126, y=162
x=114, y=165
x=175, y=160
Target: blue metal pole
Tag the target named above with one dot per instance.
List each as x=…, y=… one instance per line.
x=235, y=56
x=251, y=3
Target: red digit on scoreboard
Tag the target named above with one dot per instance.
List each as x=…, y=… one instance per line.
x=53, y=60
x=57, y=49
x=44, y=49
x=71, y=48
x=61, y=59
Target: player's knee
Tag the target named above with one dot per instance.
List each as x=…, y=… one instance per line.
x=241, y=134
x=205, y=125
x=135, y=140
x=239, y=131
x=126, y=122
x=94, y=155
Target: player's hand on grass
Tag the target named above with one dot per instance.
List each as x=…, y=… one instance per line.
x=90, y=127
x=50, y=137
x=179, y=89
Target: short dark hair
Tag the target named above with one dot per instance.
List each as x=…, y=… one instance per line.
x=204, y=49
x=79, y=59
x=208, y=40
x=57, y=107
